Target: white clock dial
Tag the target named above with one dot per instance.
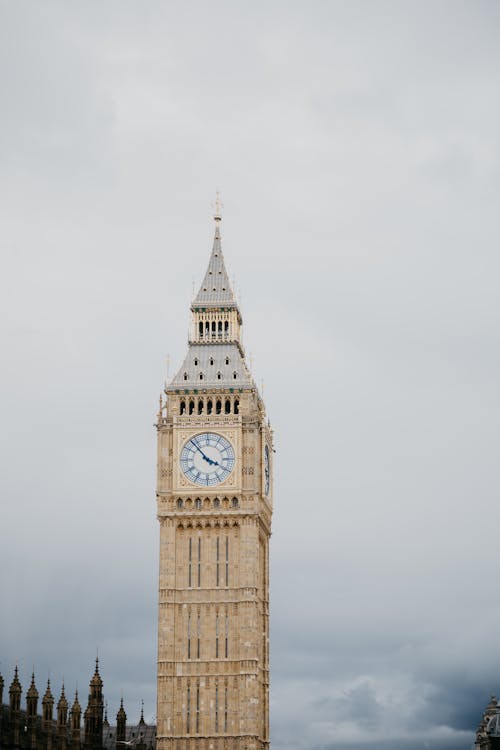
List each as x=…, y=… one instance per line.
x=207, y=459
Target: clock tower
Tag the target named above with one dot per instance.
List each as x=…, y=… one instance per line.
x=214, y=502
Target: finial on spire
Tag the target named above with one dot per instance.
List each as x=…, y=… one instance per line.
x=218, y=205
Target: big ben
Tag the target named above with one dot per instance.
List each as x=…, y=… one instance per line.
x=214, y=504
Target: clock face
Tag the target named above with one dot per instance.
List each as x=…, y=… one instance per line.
x=207, y=459
x=267, y=470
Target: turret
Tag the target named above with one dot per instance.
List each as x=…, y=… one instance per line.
x=75, y=722
x=47, y=716
x=121, y=726
x=62, y=721
x=94, y=713
x=15, y=691
x=31, y=712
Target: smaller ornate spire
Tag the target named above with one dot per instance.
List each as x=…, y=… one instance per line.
x=32, y=691
x=141, y=720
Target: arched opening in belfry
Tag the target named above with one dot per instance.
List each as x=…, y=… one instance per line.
x=218, y=406
x=213, y=328
x=200, y=328
x=226, y=326
x=182, y=408
x=227, y=406
x=209, y=406
x=191, y=407
x=219, y=327
x=207, y=328
x=200, y=406
x=236, y=406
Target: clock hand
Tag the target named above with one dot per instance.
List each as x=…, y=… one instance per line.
x=209, y=460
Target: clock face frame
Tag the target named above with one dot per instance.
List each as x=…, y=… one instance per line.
x=267, y=470
x=207, y=459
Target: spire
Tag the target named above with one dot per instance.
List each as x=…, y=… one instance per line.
x=32, y=691
x=215, y=289
x=96, y=679
x=15, y=691
x=63, y=702
x=141, y=720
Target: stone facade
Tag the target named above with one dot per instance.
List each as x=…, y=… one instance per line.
x=214, y=505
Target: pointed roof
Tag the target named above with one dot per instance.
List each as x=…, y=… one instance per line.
x=121, y=712
x=96, y=679
x=63, y=702
x=32, y=691
x=76, y=708
x=215, y=289
x=48, y=697
x=15, y=685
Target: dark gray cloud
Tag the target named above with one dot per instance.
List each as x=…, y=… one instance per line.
x=357, y=151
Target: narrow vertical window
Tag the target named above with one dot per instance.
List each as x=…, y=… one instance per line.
x=198, y=636
x=226, y=648
x=200, y=328
x=216, y=708
x=197, y=709
x=188, y=710
x=217, y=562
x=218, y=406
x=199, y=562
x=225, y=709
x=183, y=407
x=227, y=561
x=189, y=635
x=217, y=635
x=190, y=561
x=236, y=406
x=227, y=406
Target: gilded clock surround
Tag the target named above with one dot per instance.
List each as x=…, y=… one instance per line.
x=213, y=623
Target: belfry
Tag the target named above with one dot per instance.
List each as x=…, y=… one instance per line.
x=214, y=505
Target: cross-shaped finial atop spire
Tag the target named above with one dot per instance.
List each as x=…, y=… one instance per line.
x=218, y=205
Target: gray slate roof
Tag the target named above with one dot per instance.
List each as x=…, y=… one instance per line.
x=203, y=353
x=215, y=289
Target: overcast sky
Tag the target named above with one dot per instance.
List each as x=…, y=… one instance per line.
x=356, y=147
